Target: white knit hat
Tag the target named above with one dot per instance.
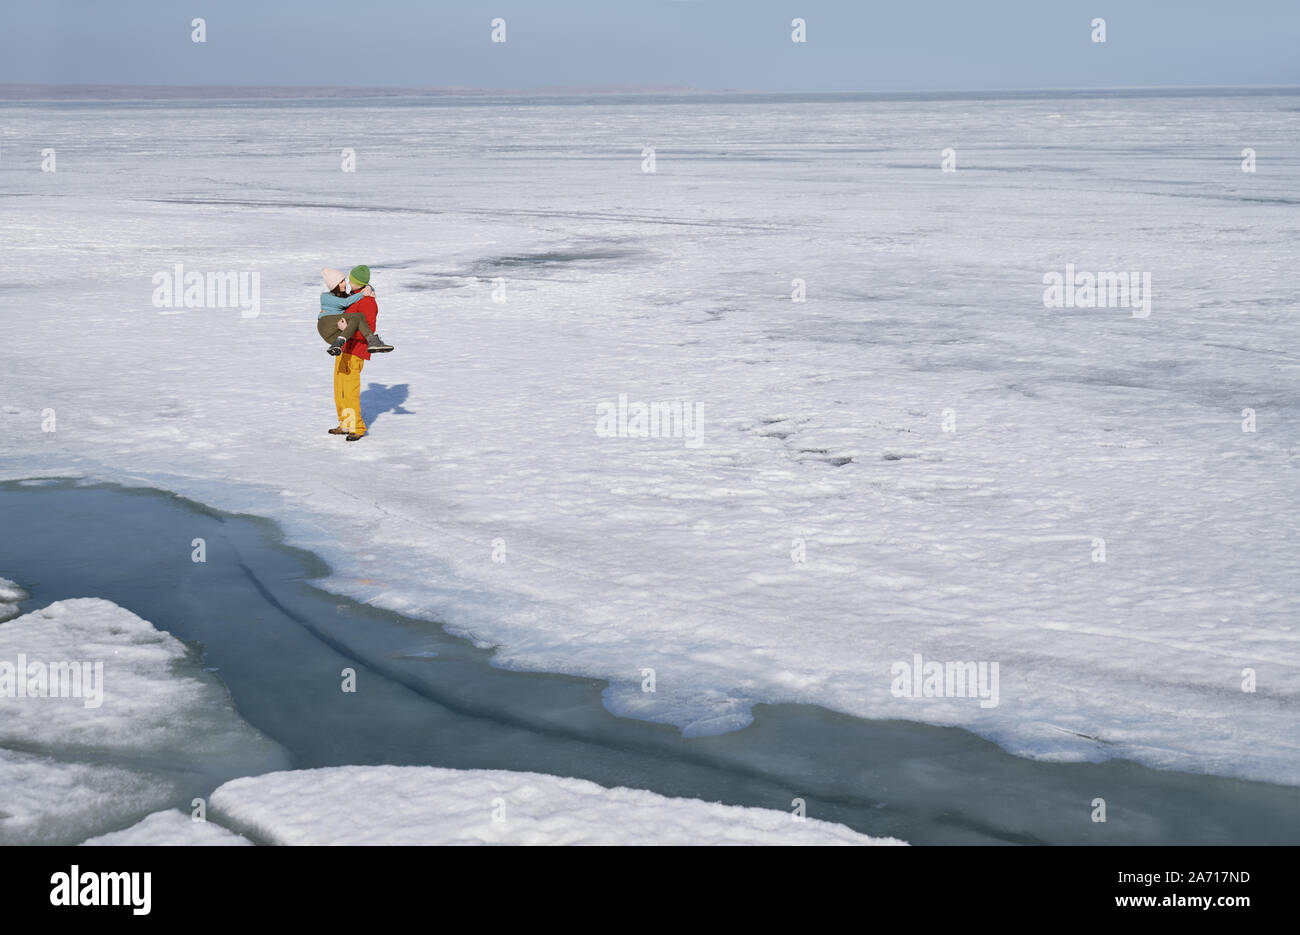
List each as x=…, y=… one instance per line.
x=332, y=277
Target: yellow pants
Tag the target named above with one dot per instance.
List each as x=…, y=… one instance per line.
x=347, y=392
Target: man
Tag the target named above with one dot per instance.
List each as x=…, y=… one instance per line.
x=347, y=366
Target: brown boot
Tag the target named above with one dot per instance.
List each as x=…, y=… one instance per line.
x=354, y=436
x=339, y=431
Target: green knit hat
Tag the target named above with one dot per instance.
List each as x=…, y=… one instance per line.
x=360, y=275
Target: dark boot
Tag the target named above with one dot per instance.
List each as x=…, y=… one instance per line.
x=336, y=348
x=339, y=431
x=375, y=344
x=352, y=437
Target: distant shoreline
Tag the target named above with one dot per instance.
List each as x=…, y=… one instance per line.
x=46, y=93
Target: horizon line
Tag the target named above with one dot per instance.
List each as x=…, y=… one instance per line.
x=12, y=91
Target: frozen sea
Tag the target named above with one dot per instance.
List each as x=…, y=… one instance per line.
x=826, y=526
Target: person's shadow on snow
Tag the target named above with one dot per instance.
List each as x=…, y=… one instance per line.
x=376, y=399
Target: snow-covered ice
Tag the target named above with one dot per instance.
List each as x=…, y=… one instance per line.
x=163, y=727
x=414, y=805
x=59, y=800
x=109, y=773
x=822, y=421
x=10, y=595
x=171, y=828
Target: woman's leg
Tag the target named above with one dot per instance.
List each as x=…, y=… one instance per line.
x=356, y=322
x=327, y=328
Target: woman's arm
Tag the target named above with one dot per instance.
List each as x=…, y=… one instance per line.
x=331, y=303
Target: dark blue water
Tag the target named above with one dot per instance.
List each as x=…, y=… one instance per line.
x=427, y=698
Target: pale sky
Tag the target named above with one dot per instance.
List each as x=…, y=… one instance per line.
x=708, y=44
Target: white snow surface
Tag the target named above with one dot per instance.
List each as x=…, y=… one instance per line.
x=68, y=770
x=57, y=799
x=822, y=420
x=171, y=828
x=414, y=805
x=10, y=591
x=10, y=595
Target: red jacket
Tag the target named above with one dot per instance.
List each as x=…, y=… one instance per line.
x=356, y=345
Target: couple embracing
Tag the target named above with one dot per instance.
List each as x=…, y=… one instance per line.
x=348, y=313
